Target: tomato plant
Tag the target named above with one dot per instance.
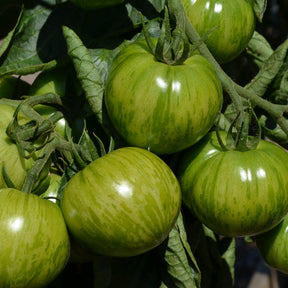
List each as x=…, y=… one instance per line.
x=235, y=193
x=174, y=111
x=130, y=78
x=129, y=202
x=35, y=243
x=233, y=21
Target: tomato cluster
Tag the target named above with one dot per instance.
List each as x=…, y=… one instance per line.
x=109, y=177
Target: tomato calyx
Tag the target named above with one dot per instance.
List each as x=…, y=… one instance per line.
x=173, y=46
x=38, y=139
x=244, y=132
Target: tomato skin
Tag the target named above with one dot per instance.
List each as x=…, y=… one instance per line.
x=272, y=246
x=122, y=204
x=50, y=81
x=236, y=21
x=34, y=244
x=94, y=4
x=235, y=193
x=173, y=112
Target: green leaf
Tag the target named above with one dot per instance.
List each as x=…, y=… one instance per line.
x=216, y=258
x=8, y=39
x=181, y=265
x=273, y=131
x=87, y=73
x=269, y=71
x=259, y=7
x=158, y=4
x=259, y=49
x=25, y=55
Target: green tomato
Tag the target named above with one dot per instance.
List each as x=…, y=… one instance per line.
x=122, y=204
x=50, y=81
x=234, y=23
x=272, y=246
x=15, y=165
x=34, y=246
x=94, y=4
x=160, y=107
x=235, y=193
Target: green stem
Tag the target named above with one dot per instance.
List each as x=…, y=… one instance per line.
x=56, y=144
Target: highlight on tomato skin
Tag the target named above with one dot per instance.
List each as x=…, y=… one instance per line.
x=129, y=202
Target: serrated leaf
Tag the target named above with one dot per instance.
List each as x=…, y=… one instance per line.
x=183, y=272
x=269, y=70
x=86, y=71
x=259, y=7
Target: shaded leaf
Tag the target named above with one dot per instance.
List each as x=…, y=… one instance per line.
x=6, y=42
x=181, y=265
x=23, y=57
x=259, y=7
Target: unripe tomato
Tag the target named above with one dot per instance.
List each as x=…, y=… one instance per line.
x=233, y=20
x=34, y=246
x=160, y=107
x=122, y=204
x=273, y=244
x=232, y=192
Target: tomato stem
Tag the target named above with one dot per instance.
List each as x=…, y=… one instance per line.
x=173, y=46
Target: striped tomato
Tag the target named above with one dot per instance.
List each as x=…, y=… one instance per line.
x=232, y=192
x=164, y=108
x=272, y=246
x=234, y=24
x=34, y=243
x=122, y=204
